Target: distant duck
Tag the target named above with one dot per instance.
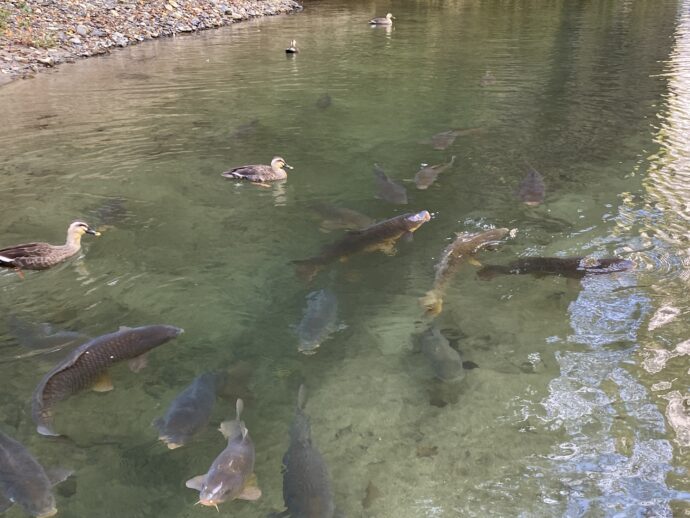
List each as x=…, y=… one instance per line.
x=292, y=49
x=260, y=173
x=41, y=256
x=388, y=20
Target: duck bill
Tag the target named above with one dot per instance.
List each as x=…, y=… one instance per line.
x=93, y=232
x=289, y=166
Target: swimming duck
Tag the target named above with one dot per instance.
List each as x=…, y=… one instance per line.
x=40, y=256
x=260, y=173
x=388, y=20
x=292, y=49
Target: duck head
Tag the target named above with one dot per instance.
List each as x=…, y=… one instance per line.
x=279, y=163
x=78, y=229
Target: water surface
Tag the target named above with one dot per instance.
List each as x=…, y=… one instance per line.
x=567, y=412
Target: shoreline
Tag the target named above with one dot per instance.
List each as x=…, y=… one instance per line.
x=37, y=35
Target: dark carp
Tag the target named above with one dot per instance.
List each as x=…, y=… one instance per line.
x=324, y=101
x=570, y=267
x=445, y=361
x=307, y=488
x=428, y=174
x=190, y=412
x=335, y=218
x=87, y=366
x=387, y=189
x=377, y=237
x=532, y=189
x=25, y=482
x=453, y=256
x=319, y=321
x=231, y=476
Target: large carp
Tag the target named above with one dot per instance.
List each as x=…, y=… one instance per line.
x=190, y=412
x=464, y=246
x=231, y=476
x=307, y=489
x=25, y=482
x=87, y=366
x=571, y=267
x=379, y=236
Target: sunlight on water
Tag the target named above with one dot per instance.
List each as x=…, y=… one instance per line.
x=572, y=401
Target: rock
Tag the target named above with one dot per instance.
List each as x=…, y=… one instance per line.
x=119, y=39
x=82, y=30
x=99, y=33
x=75, y=40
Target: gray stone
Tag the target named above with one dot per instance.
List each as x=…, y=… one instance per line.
x=82, y=30
x=75, y=40
x=99, y=33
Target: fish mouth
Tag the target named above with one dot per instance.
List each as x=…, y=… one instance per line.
x=420, y=217
x=50, y=512
x=171, y=444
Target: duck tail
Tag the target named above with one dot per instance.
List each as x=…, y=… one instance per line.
x=432, y=302
x=6, y=262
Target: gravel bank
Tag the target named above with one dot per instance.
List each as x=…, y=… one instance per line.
x=39, y=34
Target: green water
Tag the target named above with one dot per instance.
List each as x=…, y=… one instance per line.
x=561, y=417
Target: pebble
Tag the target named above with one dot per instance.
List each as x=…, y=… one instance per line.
x=76, y=29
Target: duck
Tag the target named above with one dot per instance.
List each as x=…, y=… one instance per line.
x=260, y=173
x=388, y=20
x=292, y=49
x=41, y=256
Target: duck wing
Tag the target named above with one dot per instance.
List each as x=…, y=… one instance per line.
x=253, y=173
x=26, y=250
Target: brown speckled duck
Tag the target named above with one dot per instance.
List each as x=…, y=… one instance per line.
x=388, y=20
x=260, y=173
x=40, y=256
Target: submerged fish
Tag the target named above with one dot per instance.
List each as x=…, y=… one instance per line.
x=572, y=267
x=43, y=337
x=380, y=236
x=488, y=79
x=246, y=129
x=445, y=139
x=190, y=412
x=319, y=321
x=445, y=361
x=231, y=476
x=427, y=174
x=387, y=189
x=25, y=482
x=307, y=489
x=464, y=246
x=341, y=217
x=324, y=101
x=87, y=366
x=532, y=188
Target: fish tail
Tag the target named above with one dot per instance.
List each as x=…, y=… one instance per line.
x=306, y=269
x=432, y=301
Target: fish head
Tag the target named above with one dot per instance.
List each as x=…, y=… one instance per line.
x=308, y=348
x=219, y=487
x=413, y=221
x=158, y=334
x=38, y=502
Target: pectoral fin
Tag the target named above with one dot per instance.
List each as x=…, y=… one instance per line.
x=57, y=475
x=103, y=384
x=196, y=482
x=388, y=248
x=5, y=504
x=474, y=262
x=251, y=490
x=138, y=363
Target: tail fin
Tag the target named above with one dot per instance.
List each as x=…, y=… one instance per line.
x=432, y=301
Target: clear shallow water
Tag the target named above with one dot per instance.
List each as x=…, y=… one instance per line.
x=565, y=414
